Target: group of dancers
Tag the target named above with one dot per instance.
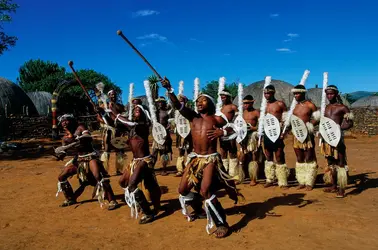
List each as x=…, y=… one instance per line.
x=247, y=136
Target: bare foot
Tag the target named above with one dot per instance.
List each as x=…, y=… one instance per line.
x=309, y=188
x=340, y=193
x=222, y=231
x=330, y=190
x=268, y=184
x=164, y=173
x=178, y=174
x=284, y=187
x=146, y=219
x=301, y=187
x=253, y=183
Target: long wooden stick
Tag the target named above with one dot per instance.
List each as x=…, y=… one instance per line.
x=70, y=63
x=119, y=32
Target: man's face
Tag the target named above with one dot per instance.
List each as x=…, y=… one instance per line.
x=112, y=96
x=299, y=96
x=269, y=95
x=137, y=112
x=331, y=94
x=65, y=123
x=161, y=105
x=202, y=104
x=224, y=98
x=136, y=102
x=248, y=105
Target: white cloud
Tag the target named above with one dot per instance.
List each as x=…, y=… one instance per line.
x=284, y=50
x=292, y=35
x=141, y=13
x=287, y=40
x=153, y=36
x=196, y=40
x=274, y=15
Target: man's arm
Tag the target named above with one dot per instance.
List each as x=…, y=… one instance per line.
x=347, y=122
x=315, y=115
x=185, y=111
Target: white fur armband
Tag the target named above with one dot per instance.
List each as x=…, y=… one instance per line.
x=310, y=127
x=349, y=116
x=284, y=116
x=316, y=115
x=225, y=132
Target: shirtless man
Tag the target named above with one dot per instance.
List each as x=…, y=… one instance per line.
x=111, y=132
x=165, y=150
x=336, y=173
x=249, y=146
x=277, y=169
x=228, y=147
x=306, y=167
x=183, y=144
x=85, y=164
x=141, y=169
x=204, y=170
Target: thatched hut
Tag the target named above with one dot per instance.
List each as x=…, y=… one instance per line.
x=315, y=95
x=42, y=101
x=366, y=102
x=283, y=92
x=14, y=101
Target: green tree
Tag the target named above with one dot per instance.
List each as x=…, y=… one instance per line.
x=38, y=75
x=154, y=85
x=211, y=89
x=6, y=8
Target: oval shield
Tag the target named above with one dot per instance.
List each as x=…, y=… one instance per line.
x=298, y=127
x=159, y=133
x=241, y=127
x=119, y=142
x=330, y=131
x=272, y=127
x=182, y=126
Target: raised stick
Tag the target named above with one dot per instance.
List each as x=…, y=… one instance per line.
x=119, y=32
x=70, y=63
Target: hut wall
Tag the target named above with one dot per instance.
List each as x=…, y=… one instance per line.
x=365, y=121
x=35, y=127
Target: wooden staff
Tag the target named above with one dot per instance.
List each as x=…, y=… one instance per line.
x=119, y=32
x=70, y=63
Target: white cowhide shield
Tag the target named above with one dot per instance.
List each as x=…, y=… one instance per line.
x=330, y=131
x=272, y=127
x=298, y=127
x=119, y=142
x=159, y=133
x=182, y=126
x=241, y=128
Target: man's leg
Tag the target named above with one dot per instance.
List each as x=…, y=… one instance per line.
x=311, y=169
x=180, y=162
x=224, y=156
x=214, y=210
x=269, y=168
x=134, y=196
x=253, y=168
x=65, y=187
x=235, y=169
x=107, y=148
x=300, y=168
x=282, y=171
x=120, y=161
x=188, y=198
x=104, y=189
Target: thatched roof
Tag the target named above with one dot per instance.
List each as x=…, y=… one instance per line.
x=315, y=95
x=283, y=92
x=366, y=102
x=14, y=98
x=42, y=101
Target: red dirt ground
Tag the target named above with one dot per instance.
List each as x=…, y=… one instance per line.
x=30, y=216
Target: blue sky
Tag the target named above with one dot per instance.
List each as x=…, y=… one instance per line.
x=244, y=40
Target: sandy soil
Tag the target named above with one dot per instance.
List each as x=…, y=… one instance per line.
x=30, y=216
